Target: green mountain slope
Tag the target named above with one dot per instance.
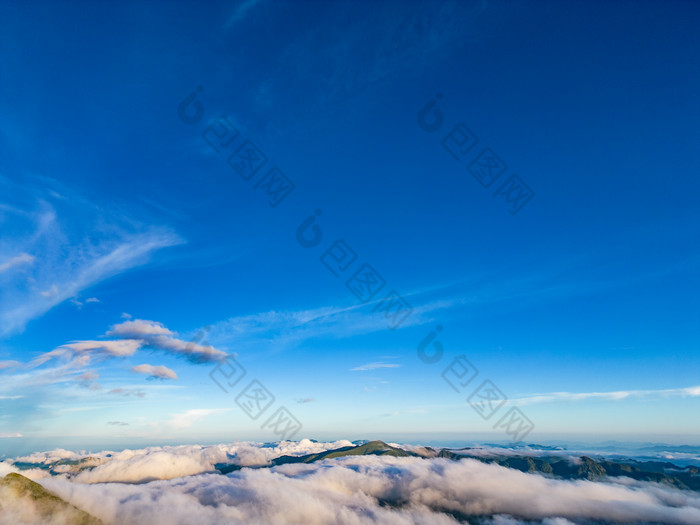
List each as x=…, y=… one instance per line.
x=20, y=494
x=373, y=448
x=593, y=470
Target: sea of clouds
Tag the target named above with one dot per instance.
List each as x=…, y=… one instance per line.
x=179, y=485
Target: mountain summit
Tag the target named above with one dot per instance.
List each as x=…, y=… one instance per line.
x=25, y=499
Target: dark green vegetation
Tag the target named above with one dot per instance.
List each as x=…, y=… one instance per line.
x=596, y=470
x=16, y=490
x=373, y=448
x=557, y=466
x=70, y=466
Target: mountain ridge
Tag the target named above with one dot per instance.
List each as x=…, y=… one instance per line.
x=577, y=467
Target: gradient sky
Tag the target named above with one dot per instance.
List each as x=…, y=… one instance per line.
x=112, y=208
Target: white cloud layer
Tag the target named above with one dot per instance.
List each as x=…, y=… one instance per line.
x=176, y=485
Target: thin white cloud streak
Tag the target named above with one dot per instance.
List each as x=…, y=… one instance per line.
x=159, y=372
x=282, y=329
x=374, y=366
x=190, y=417
x=72, y=366
x=552, y=397
x=18, y=260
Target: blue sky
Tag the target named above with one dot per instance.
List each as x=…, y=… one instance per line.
x=114, y=210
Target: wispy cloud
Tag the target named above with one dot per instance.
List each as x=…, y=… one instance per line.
x=241, y=11
x=23, y=258
x=88, y=380
x=374, y=366
x=406, y=411
x=60, y=244
x=157, y=372
x=121, y=348
x=402, y=42
x=132, y=335
x=128, y=392
x=551, y=397
x=190, y=417
x=281, y=329
x=116, y=259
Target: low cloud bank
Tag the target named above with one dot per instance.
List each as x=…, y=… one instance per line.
x=353, y=490
x=152, y=463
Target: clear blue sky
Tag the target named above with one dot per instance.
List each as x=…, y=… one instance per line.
x=114, y=209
